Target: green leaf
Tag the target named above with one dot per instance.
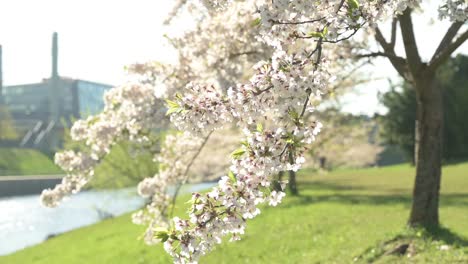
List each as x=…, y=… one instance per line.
x=325, y=31
x=173, y=107
x=293, y=114
x=93, y=120
x=236, y=154
x=193, y=200
x=232, y=176
x=256, y=22
x=260, y=127
x=178, y=96
x=315, y=34
x=174, y=110
x=161, y=233
x=172, y=104
x=353, y=4
x=284, y=67
x=162, y=166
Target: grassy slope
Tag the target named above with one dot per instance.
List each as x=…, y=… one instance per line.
x=339, y=216
x=15, y=161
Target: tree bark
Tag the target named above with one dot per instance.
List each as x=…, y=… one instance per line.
x=428, y=151
x=277, y=181
x=292, y=183
x=429, y=120
x=292, y=177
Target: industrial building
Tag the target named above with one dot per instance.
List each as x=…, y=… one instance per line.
x=39, y=112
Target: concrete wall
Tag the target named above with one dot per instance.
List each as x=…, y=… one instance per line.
x=26, y=185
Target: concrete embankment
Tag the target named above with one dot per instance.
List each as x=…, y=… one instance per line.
x=27, y=185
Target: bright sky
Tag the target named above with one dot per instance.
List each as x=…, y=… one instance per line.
x=98, y=38
x=428, y=30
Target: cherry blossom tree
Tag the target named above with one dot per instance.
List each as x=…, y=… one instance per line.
x=429, y=117
x=294, y=50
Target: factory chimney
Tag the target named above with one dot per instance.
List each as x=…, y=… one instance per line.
x=54, y=91
x=54, y=56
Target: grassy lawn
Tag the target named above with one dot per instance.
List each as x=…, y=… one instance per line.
x=346, y=216
x=15, y=161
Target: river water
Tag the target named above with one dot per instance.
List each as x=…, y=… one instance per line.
x=25, y=222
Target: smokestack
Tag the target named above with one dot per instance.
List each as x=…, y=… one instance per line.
x=54, y=56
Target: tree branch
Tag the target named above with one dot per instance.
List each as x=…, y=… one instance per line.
x=341, y=82
x=382, y=54
x=296, y=22
x=250, y=52
x=178, y=5
x=381, y=39
x=400, y=65
x=411, y=49
x=186, y=172
x=393, y=33
x=449, y=35
x=445, y=52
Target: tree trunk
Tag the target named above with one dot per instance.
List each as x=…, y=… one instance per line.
x=277, y=182
x=428, y=151
x=292, y=183
x=292, y=177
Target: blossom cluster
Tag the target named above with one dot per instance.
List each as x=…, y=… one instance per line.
x=201, y=108
x=216, y=5
x=224, y=210
x=284, y=21
x=455, y=10
x=133, y=111
x=278, y=94
x=222, y=45
x=130, y=112
x=177, y=155
x=296, y=44
x=79, y=167
x=276, y=90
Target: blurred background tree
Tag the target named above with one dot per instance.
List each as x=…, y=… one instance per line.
x=347, y=141
x=399, y=126
x=7, y=128
x=124, y=166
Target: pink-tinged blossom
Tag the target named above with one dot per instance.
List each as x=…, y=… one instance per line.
x=129, y=112
x=455, y=10
x=303, y=40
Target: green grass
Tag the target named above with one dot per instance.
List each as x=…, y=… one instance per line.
x=346, y=216
x=15, y=161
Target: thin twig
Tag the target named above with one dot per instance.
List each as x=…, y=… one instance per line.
x=187, y=169
x=296, y=22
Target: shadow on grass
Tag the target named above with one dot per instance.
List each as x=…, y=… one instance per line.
x=348, y=185
x=455, y=161
x=447, y=236
x=306, y=198
x=457, y=199
x=410, y=241
x=320, y=185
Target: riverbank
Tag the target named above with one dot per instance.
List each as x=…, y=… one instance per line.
x=27, y=185
x=22, y=161
x=25, y=222
x=340, y=217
